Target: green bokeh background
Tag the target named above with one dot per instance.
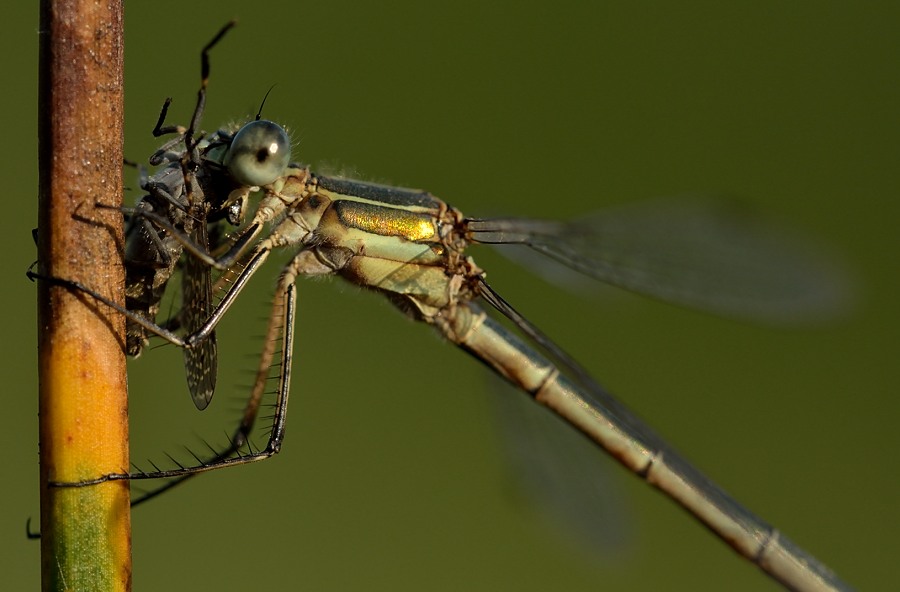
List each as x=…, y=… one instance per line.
x=391, y=477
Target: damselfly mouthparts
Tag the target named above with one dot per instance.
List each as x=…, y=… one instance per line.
x=412, y=247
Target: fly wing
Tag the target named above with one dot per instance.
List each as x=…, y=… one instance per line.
x=200, y=362
x=701, y=253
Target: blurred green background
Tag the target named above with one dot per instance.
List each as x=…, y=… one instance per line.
x=391, y=477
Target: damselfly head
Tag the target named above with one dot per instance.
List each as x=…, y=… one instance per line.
x=259, y=153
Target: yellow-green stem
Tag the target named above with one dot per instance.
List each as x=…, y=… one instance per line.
x=85, y=532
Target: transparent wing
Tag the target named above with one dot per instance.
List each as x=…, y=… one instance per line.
x=697, y=252
x=201, y=362
x=559, y=471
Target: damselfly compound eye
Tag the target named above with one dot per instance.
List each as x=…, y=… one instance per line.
x=259, y=153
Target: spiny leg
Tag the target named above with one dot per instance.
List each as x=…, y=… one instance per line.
x=240, y=240
x=254, y=261
x=279, y=334
x=280, y=324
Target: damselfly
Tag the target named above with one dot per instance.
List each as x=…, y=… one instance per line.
x=411, y=247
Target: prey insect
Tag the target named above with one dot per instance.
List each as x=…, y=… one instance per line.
x=412, y=247
x=185, y=197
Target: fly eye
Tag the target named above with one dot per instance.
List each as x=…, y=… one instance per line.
x=259, y=153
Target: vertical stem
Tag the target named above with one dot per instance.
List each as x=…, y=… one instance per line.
x=86, y=538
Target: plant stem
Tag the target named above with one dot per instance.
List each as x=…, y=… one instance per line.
x=85, y=532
